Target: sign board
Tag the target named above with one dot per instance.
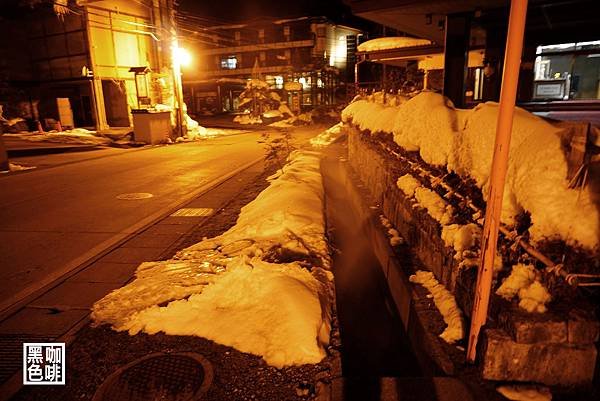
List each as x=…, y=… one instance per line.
x=549, y=89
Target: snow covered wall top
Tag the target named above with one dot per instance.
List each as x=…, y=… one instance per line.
x=463, y=142
x=391, y=42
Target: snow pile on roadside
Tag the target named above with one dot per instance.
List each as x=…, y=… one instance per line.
x=262, y=287
x=17, y=167
x=327, y=137
x=525, y=392
x=445, y=303
x=463, y=140
x=246, y=119
x=524, y=282
x=273, y=310
x=76, y=136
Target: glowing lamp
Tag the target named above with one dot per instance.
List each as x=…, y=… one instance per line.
x=182, y=56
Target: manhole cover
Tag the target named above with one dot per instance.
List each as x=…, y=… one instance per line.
x=193, y=212
x=135, y=195
x=164, y=377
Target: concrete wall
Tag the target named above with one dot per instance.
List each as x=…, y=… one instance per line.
x=519, y=346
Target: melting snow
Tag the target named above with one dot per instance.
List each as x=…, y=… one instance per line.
x=445, y=303
x=524, y=282
x=327, y=137
x=461, y=237
x=228, y=289
x=79, y=136
x=525, y=392
x=463, y=141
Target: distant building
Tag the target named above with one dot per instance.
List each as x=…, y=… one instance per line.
x=312, y=52
x=75, y=67
x=560, y=68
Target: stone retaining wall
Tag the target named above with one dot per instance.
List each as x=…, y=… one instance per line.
x=529, y=348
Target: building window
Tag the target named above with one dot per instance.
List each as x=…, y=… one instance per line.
x=279, y=82
x=286, y=31
x=229, y=63
x=263, y=56
x=567, y=71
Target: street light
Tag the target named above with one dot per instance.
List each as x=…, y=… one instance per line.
x=183, y=57
x=180, y=57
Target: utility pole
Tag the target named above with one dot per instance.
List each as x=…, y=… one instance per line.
x=489, y=240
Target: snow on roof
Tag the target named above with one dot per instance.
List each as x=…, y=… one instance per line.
x=392, y=42
x=463, y=142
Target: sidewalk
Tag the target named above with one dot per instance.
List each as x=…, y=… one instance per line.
x=60, y=312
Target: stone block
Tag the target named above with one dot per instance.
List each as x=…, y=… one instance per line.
x=529, y=328
x=583, y=328
x=548, y=363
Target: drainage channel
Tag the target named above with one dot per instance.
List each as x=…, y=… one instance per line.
x=374, y=342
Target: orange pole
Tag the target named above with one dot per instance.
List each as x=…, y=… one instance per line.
x=489, y=240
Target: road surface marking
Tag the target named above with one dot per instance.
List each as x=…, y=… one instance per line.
x=135, y=196
x=193, y=212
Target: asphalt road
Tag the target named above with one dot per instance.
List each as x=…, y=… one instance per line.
x=51, y=219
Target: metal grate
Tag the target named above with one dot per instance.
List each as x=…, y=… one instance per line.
x=165, y=377
x=11, y=353
x=193, y=212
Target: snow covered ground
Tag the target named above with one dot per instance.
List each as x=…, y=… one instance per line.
x=327, y=137
x=263, y=287
x=462, y=141
x=17, y=167
x=78, y=136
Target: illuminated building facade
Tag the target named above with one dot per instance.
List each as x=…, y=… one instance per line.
x=83, y=57
x=312, y=51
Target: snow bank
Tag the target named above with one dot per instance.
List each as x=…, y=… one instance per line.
x=76, y=136
x=445, y=303
x=273, y=310
x=262, y=287
x=525, y=392
x=391, y=42
x=463, y=141
x=17, y=167
x=246, y=119
x=524, y=282
x=327, y=137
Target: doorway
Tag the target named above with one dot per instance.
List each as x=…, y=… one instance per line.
x=115, y=102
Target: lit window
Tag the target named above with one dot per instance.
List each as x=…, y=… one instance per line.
x=229, y=63
x=278, y=82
